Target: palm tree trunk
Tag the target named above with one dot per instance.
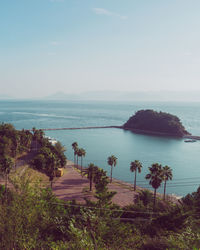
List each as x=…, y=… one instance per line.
x=74, y=158
x=81, y=165
x=135, y=182
x=111, y=174
x=91, y=183
x=154, y=201
x=165, y=188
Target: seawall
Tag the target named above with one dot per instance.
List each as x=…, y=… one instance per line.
x=137, y=131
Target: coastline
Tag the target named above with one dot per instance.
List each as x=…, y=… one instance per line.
x=125, y=192
x=171, y=197
x=147, y=132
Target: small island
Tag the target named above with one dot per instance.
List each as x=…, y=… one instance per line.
x=156, y=123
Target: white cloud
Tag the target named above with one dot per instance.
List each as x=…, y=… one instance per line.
x=101, y=11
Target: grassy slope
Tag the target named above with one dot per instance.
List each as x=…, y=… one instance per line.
x=33, y=175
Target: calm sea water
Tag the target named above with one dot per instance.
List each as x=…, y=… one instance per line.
x=183, y=158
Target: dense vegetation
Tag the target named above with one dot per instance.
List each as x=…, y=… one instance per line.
x=48, y=157
x=155, y=122
x=33, y=218
x=13, y=142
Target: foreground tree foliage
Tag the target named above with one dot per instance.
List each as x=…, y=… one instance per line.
x=33, y=218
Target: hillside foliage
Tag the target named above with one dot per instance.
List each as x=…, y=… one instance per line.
x=33, y=218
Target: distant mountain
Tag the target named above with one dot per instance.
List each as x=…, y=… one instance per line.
x=109, y=95
x=62, y=96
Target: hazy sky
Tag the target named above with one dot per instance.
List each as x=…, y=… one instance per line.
x=81, y=45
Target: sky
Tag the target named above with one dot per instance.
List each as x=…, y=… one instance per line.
x=74, y=46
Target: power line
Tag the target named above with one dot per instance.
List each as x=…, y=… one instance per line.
x=182, y=184
x=105, y=209
x=172, y=186
x=179, y=179
x=169, y=185
x=115, y=210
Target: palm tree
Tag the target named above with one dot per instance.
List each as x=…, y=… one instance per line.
x=82, y=154
x=112, y=161
x=74, y=146
x=155, y=177
x=134, y=167
x=76, y=154
x=90, y=172
x=79, y=154
x=167, y=175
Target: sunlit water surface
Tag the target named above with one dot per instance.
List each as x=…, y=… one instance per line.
x=183, y=158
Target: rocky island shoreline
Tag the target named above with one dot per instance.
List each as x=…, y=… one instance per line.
x=156, y=123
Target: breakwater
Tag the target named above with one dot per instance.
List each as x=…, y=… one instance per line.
x=137, y=131
x=49, y=129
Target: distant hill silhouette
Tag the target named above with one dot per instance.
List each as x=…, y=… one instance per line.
x=109, y=95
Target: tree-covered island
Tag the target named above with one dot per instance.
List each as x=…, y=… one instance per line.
x=153, y=122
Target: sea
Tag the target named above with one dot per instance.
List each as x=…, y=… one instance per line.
x=183, y=158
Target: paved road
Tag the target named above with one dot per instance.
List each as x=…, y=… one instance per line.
x=70, y=186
